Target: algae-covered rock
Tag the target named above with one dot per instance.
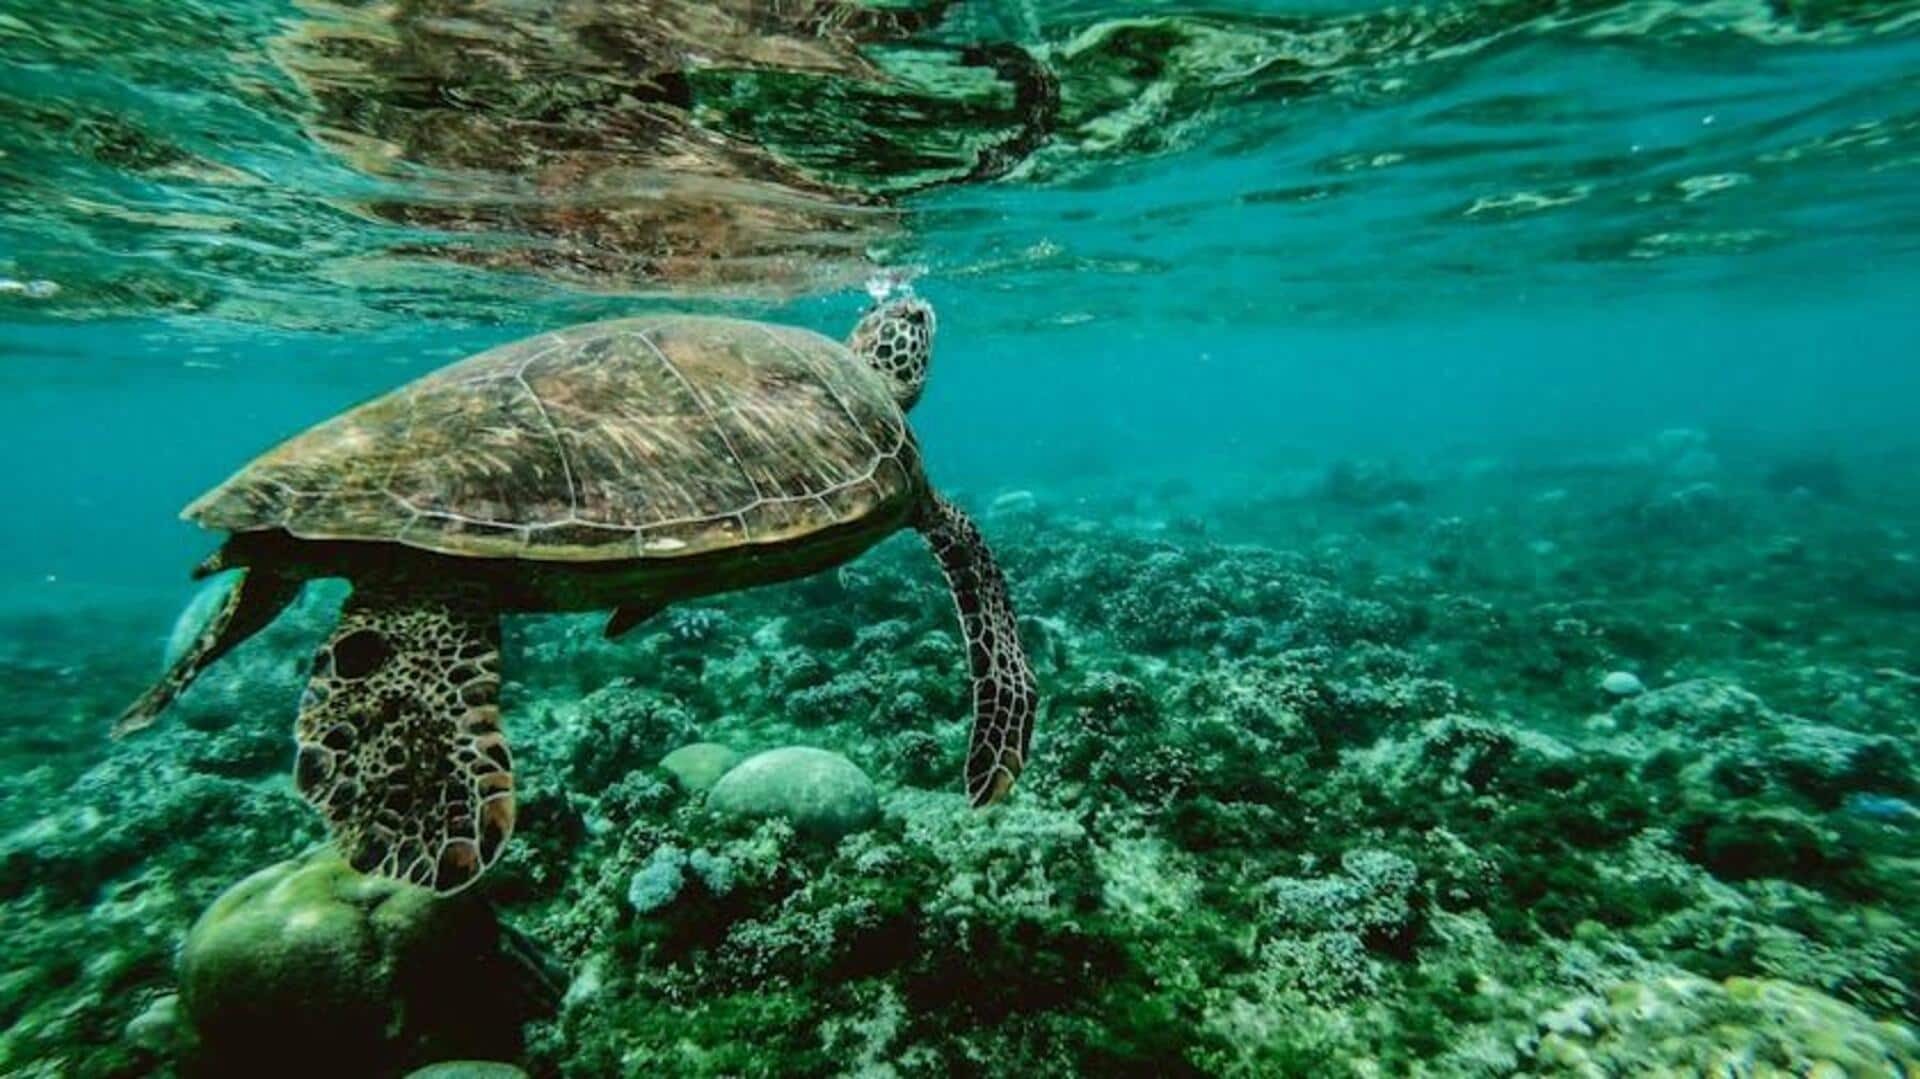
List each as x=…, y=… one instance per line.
x=822, y=793
x=1686, y=1025
x=615, y=730
x=468, y=1069
x=156, y=1028
x=1826, y=764
x=1701, y=705
x=356, y=974
x=697, y=767
x=1372, y=896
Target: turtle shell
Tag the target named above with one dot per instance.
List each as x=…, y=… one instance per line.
x=637, y=438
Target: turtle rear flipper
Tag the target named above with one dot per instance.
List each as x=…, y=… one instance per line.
x=1004, y=696
x=399, y=732
x=255, y=600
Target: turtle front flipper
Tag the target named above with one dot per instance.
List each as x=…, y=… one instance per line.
x=1004, y=696
x=400, y=743
x=256, y=599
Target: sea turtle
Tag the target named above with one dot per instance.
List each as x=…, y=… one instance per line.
x=624, y=464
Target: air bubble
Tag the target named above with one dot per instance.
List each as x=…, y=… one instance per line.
x=37, y=289
x=894, y=280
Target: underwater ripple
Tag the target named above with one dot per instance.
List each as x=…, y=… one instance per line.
x=332, y=165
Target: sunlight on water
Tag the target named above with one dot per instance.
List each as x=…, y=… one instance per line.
x=332, y=165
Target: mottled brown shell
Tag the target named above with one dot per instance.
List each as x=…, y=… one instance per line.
x=648, y=438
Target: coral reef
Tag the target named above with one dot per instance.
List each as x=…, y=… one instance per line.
x=1319, y=789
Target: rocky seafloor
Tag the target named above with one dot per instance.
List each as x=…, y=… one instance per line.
x=1455, y=767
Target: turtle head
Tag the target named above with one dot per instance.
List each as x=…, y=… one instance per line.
x=896, y=339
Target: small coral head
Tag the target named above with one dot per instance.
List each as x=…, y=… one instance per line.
x=896, y=339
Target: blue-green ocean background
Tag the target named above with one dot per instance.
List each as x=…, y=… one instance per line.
x=1499, y=229
x=114, y=426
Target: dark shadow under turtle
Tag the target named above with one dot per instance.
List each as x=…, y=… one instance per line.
x=626, y=465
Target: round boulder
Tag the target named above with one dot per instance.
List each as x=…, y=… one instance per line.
x=349, y=974
x=468, y=1069
x=822, y=793
x=1622, y=684
x=697, y=767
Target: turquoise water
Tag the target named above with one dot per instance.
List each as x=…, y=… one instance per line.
x=1348, y=392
